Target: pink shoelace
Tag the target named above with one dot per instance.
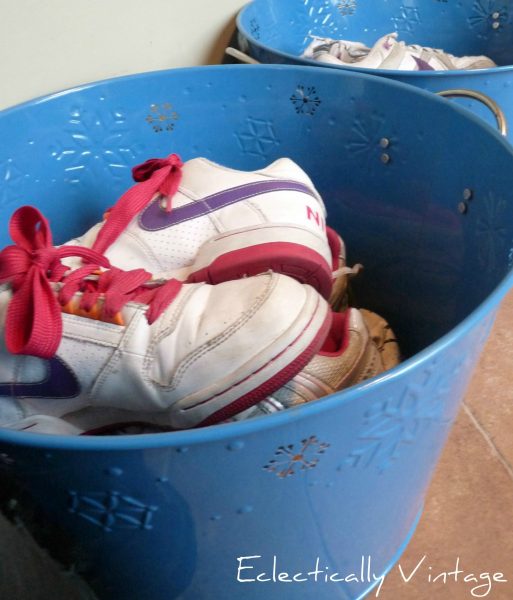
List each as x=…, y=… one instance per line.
x=155, y=176
x=33, y=321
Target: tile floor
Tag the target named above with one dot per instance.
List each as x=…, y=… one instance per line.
x=468, y=513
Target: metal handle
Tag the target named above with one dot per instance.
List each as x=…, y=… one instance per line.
x=486, y=100
x=242, y=56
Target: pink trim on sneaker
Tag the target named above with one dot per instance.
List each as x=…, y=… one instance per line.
x=276, y=381
x=335, y=246
x=297, y=261
x=337, y=340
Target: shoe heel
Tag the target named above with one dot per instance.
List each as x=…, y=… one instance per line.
x=291, y=251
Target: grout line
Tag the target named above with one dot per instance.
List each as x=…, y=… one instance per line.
x=497, y=453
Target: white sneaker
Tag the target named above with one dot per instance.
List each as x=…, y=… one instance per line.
x=360, y=345
x=389, y=53
x=196, y=353
x=335, y=52
x=207, y=222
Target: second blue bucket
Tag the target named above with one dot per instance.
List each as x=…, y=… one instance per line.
x=277, y=31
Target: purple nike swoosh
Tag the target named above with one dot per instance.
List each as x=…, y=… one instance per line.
x=154, y=218
x=60, y=382
x=423, y=65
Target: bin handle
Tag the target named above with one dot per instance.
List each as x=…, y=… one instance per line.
x=486, y=100
x=242, y=56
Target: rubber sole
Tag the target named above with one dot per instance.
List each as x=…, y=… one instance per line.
x=297, y=261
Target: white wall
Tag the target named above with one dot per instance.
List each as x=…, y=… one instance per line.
x=48, y=45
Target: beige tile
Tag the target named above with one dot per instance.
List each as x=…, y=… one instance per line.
x=468, y=514
x=490, y=395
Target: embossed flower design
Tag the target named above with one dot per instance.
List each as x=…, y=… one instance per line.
x=96, y=139
x=491, y=232
x=314, y=14
x=162, y=117
x=305, y=100
x=396, y=422
x=257, y=137
x=11, y=179
x=290, y=459
x=369, y=137
x=407, y=19
x=488, y=13
x=254, y=27
x=346, y=7
x=111, y=510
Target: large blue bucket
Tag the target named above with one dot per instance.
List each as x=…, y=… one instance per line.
x=277, y=31
x=421, y=191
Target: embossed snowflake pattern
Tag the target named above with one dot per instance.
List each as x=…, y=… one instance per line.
x=311, y=15
x=11, y=180
x=162, y=117
x=95, y=140
x=305, y=100
x=111, y=510
x=396, y=422
x=367, y=135
x=254, y=27
x=407, y=19
x=488, y=13
x=257, y=137
x=346, y=7
x=492, y=233
x=290, y=459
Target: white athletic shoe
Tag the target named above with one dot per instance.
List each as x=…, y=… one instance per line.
x=360, y=345
x=195, y=353
x=389, y=53
x=201, y=221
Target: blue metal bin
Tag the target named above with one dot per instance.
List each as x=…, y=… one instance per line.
x=421, y=191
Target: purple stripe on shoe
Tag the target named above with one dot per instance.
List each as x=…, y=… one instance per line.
x=422, y=64
x=154, y=218
x=59, y=382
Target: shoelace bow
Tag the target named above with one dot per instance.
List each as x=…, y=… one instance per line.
x=33, y=322
x=155, y=176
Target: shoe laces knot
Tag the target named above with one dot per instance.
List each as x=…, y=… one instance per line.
x=43, y=287
x=155, y=176
x=47, y=260
x=33, y=322
x=168, y=168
